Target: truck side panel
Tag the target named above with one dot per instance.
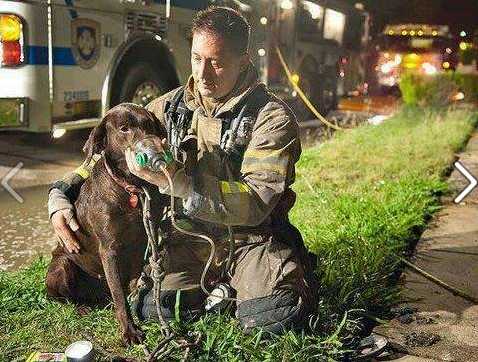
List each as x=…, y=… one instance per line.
x=85, y=41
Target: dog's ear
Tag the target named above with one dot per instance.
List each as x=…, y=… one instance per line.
x=158, y=127
x=96, y=141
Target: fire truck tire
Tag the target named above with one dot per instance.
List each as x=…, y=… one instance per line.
x=141, y=84
x=328, y=96
x=312, y=92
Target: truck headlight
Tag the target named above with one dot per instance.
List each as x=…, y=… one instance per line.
x=387, y=67
x=429, y=69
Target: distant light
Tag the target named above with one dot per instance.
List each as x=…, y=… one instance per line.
x=420, y=32
x=404, y=32
x=378, y=119
x=295, y=78
x=387, y=67
x=158, y=38
x=446, y=65
x=57, y=133
x=261, y=52
x=463, y=45
x=342, y=74
x=286, y=4
x=390, y=81
x=412, y=33
x=459, y=96
x=334, y=24
x=463, y=33
x=316, y=11
x=434, y=33
x=359, y=6
x=398, y=59
x=294, y=94
x=391, y=32
x=263, y=20
x=448, y=50
x=429, y=69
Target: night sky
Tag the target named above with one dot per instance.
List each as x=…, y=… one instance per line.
x=459, y=14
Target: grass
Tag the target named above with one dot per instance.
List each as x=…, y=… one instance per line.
x=363, y=198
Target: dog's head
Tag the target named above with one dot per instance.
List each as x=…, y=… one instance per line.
x=121, y=127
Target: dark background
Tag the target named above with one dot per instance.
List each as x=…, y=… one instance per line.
x=459, y=14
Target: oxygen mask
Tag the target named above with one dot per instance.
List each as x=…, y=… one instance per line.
x=149, y=155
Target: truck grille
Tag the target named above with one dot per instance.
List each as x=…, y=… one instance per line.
x=146, y=22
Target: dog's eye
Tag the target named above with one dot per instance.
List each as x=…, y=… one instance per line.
x=124, y=128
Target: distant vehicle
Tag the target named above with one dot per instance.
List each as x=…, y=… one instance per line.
x=323, y=42
x=418, y=48
x=64, y=63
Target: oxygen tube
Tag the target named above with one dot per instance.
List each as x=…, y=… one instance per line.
x=146, y=157
x=195, y=235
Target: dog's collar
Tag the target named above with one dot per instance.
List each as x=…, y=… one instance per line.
x=129, y=188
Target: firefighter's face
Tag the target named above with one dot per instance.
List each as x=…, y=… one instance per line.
x=215, y=67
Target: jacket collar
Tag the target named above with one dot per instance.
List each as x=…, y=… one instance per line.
x=246, y=83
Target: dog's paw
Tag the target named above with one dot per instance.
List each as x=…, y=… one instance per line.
x=133, y=335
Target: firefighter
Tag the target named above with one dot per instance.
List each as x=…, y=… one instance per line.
x=247, y=146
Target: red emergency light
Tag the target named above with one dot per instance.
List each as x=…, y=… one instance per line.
x=11, y=53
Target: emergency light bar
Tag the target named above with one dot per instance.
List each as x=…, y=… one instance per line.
x=11, y=40
x=417, y=30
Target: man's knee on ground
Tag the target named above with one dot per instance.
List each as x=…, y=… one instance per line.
x=190, y=304
x=277, y=313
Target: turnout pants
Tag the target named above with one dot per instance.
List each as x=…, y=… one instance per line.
x=270, y=280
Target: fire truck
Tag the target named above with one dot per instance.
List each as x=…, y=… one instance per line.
x=63, y=64
x=322, y=41
x=418, y=48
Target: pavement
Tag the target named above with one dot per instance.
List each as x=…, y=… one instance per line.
x=39, y=158
x=433, y=324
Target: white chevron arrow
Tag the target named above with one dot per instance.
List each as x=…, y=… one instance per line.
x=469, y=177
x=7, y=178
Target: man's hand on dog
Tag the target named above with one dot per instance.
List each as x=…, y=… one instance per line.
x=65, y=224
x=156, y=178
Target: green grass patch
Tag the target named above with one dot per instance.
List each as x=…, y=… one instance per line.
x=364, y=196
x=437, y=91
x=367, y=193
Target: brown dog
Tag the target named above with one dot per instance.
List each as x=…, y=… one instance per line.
x=112, y=236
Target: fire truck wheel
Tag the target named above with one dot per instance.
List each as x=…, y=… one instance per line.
x=328, y=93
x=141, y=85
x=311, y=90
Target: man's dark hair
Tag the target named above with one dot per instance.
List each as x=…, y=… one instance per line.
x=225, y=22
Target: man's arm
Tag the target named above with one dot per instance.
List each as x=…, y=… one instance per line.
x=266, y=172
x=64, y=192
x=61, y=210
